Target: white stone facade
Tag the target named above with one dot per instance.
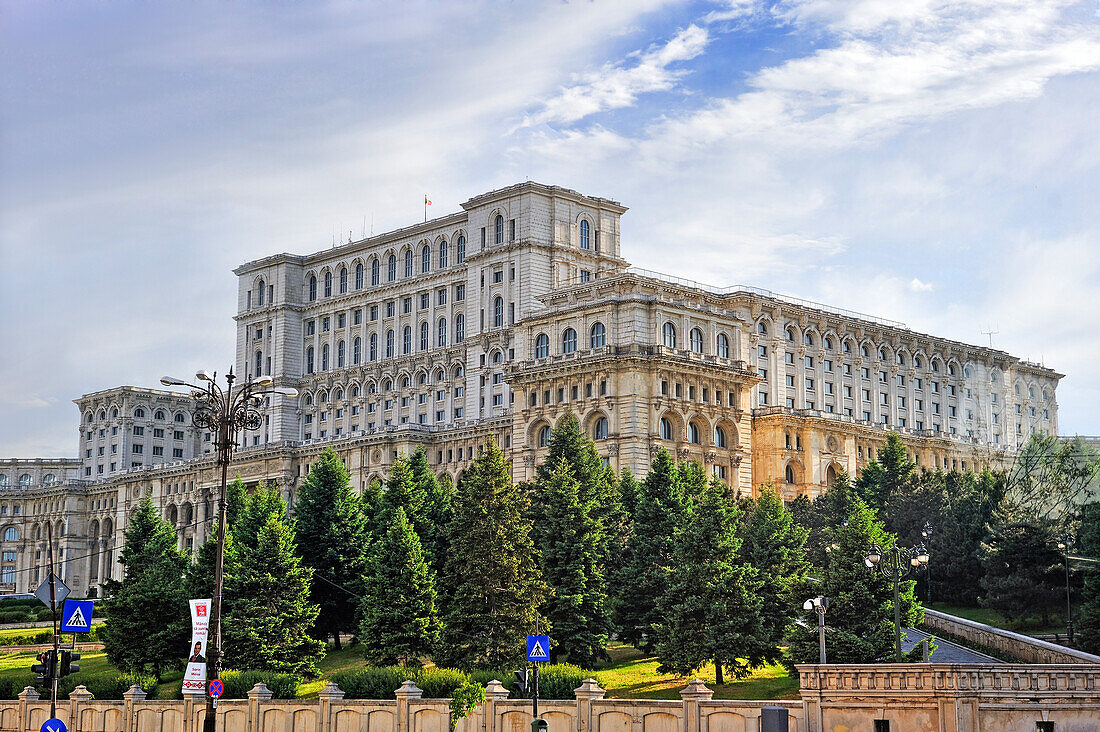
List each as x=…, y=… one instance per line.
x=497, y=320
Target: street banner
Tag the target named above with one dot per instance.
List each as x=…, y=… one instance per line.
x=194, y=678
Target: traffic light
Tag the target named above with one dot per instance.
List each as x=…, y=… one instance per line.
x=67, y=665
x=521, y=681
x=45, y=667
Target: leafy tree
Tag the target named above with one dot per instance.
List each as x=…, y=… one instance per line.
x=1023, y=566
x=659, y=510
x=775, y=547
x=567, y=535
x=270, y=619
x=399, y=623
x=861, y=602
x=147, y=618
x=1088, y=616
x=491, y=572
x=711, y=608
x=334, y=537
x=1051, y=478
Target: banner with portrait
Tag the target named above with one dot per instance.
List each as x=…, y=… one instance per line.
x=194, y=678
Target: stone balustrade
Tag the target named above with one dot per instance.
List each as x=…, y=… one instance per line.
x=1020, y=647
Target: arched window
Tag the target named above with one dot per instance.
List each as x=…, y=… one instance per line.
x=696, y=340
x=259, y=365
x=373, y=346
x=542, y=345
x=668, y=334
x=139, y=413
x=762, y=328
x=441, y=333
x=460, y=327
x=343, y=280
x=917, y=362
x=569, y=341
x=882, y=354
x=426, y=259
x=406, y=340
x=460, y=250
x=25, y=480
x=262, y=290
x=790, y=335
x=11, y=534
x=498, y=229
x=328, y=284
x=391, y=268
x=544, y=436
x=179, y=418
x=341, y=352
x=375, y=274
x=585, y=235
x=359, y=276
x=900, y=357
x=389, y=343
x=309, y=360
x=5, y=481
x=355, y=390
x=498, y=311
x=599, y=430
x=357, y=351
x=312, y=288
x=598, y=336
x=693, y=433
x=424, y=336
x=444, y=252
x=50, y=479
x=788, y=474
x=324, y=357
x=719, y=437
x=405, y=382
x=808, y=339
x=865, y=351
x=722, y=345
x=666, y=429
x=459, y=371
x=497, y=356
x=408, y=263
x=387, y=385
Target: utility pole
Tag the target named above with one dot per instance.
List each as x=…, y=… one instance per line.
x=53, y=612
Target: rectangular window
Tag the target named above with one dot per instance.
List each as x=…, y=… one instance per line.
x=809, y=362
x=137, y=449
x=790, y=379
x=901, y=379
x=441, y=296
x=177, y=452
x=498, y=276
x=763, y=400
x=762, y=351
x=391, y=308
x=425, y=301
x=901, y=402
x=158, y=450
x=865, y=373
x=763, y=373
x=373, y=313
x=341, y=320
x=407, y=305
x=848, y=392
x=828, y=387
x=326, y=324
x=809, y=384
x=177, y=435
x=790, y=403
x=788, y=357
x=585, y=275
x=357, y=317
x=828, y=365
x=158, y=432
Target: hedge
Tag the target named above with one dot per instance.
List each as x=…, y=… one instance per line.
x=556, y=681
x=239, y=683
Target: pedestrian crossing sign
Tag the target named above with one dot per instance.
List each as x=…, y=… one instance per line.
x=76, y=616
x=538, y=648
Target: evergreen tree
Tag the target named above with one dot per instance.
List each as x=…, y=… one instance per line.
x=888, y=476
x=969, y=500
x=692, y=478
x=438, y=510
x=829, y=509
x=567, y=536
x=1088, y=615
x=711, y=607
x=373, y=504
x=628, y=492
x=494, y=582
x=1023, y=566
x=257, y=508
x=775, y=547
x=147, y=617
x=236, y=496
x=659, y=510
x=403, y=490
x=269, y=622
x=861, y=602
x=333, y=538
x=399, y=623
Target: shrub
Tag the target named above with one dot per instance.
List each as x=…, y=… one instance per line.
x=14, y=616
x=104, y=684
x=25, y=639
x=440, y=683
x=558, y=680
x=239, y=683
x=373, y=682
x=11, y=686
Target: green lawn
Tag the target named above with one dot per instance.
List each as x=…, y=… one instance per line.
x=988, y=616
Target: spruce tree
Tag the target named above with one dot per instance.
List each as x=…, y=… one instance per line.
x=1088, y=616
x=888, y=476
x=567, y=536
x=399, y=622
x=270, y=620
x=861, y=602
x=333, y=538
x=1023, y=566
x=628, y=492
x=658, y=512
x=711, y=608
x=147, y=617
x=494, y=582
x=775, y=547
x=437, y=511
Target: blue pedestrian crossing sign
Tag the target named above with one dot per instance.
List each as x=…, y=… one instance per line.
x=76, y=616
x=53, y=725
x=538, y=648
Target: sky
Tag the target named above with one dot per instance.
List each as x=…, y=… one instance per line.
x=926, y=161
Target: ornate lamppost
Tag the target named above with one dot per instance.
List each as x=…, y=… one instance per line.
x=900, y=561
x=1065, y=545
x=225, y=412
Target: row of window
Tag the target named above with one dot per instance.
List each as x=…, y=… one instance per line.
x=424, y=343
x=26, y=481
x=138, y=413
x=341, y=280
x=387, y=384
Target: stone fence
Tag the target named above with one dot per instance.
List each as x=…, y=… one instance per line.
x=1014, y=645
x=409, y=712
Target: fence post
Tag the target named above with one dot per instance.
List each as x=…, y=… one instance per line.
x=78, y=697
x=28, y=696
x=131, y=696
x=325, y=697
x=258, y=693
x=407, y=692
x=494, y=692
x=586, y=693
x=693, y=694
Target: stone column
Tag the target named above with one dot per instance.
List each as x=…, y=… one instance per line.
x=27, y=697
x=586, y=693
x=131, y=696
x=406, y=693
x=494, y=693
x=325, y=697
x=256, y=695
x=693, y=694
x=78, y=697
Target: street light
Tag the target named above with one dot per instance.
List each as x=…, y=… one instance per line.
x=1065, y=547
x=225, y=412
x=926, y=533
x=820, y=604
x=900, y=561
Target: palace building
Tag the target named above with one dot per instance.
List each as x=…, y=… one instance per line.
x=497, y=320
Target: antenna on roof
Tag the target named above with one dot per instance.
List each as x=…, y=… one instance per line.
x=990, y=334
x=364, y=227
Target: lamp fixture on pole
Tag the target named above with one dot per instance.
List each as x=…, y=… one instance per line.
x=820, y=604
x=899, y=562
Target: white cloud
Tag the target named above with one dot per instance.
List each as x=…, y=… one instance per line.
x=614, y=86
x=915, y=285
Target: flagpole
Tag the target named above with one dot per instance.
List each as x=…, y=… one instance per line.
x=425, y=208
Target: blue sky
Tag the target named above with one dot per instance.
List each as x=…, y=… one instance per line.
x=928, y=161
